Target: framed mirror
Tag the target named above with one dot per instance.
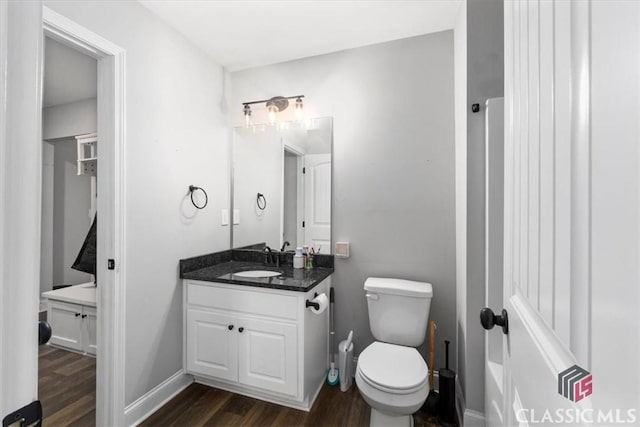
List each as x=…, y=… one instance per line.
x=281, y=180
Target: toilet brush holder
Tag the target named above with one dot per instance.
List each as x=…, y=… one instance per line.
x=345, y=362
x=447, y=395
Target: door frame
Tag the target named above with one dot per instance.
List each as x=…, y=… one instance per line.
x=110, y=395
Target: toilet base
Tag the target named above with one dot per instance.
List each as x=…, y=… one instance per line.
x=381, y=419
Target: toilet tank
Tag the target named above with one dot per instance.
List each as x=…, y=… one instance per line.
x=398, y=310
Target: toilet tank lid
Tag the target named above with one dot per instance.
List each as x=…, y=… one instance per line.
x=399, y=287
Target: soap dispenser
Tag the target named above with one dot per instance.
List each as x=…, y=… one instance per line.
x=298, y=258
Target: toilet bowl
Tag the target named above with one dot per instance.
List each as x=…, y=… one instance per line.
x=392, y=379
x=391, y=375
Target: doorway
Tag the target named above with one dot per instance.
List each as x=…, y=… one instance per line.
x=67, y=366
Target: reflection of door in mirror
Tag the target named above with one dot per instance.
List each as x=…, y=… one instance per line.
x=317, y=201
x=293, y=196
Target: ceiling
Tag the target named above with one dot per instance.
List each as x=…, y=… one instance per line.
x=241, y=34
x=69, y=75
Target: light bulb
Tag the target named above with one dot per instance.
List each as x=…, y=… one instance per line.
x=299, y=111
x=273, y=114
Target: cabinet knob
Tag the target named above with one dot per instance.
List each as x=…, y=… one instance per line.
x=241, y=329
x=230, y=327
x=77, y=314
x=84, y=315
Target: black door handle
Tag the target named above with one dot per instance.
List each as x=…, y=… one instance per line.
x=488, y=320
x=230, y=327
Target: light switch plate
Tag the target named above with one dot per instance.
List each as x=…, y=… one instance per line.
x=342, y=250
x=224, y=217
x=236, y=216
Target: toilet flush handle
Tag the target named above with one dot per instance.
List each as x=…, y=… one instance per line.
x=373, y=296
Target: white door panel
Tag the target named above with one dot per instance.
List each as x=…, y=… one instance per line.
x=268, y=355
x=89, y=328
x=212, y=344
x=66, y=324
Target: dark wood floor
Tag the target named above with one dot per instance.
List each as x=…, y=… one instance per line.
x=199, y=405
x=67, y=390
x=66, y=387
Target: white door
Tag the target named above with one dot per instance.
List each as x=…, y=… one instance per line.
x=212, y=344
x=268, y=355
x=20, y=172
x=317, y=207
x=66, y=321
x=572, y=213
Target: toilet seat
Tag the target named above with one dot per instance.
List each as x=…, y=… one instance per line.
x=392, y=368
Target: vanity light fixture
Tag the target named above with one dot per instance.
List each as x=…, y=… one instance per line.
x=274, y=106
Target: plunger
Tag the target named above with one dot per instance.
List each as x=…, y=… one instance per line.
x=431, y=404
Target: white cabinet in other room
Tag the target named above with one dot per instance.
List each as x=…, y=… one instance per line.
x=72, y=314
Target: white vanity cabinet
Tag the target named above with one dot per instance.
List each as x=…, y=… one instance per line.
x=71, y=312
x=260, y=342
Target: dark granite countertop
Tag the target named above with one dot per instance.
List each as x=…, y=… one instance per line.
x=221, y=266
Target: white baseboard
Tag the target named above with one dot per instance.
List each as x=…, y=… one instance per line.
x=155, y=398
x=467, y=417
x=473, y=418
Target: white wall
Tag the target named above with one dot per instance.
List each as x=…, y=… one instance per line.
x=71, y=204
x=75, y=118
x=176, y=135
x=393, y=170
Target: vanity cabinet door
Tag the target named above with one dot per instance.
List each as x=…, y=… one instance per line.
x=89, y=321
x=268, y=355
x=212, y=344
x=66, y=325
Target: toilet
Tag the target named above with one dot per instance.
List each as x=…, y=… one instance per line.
x=391, y=374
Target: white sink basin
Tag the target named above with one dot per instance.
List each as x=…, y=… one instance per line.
x=257, y=273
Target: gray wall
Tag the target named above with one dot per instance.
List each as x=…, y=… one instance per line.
x=485, y=79
x=393, y=188
x=71, y=204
